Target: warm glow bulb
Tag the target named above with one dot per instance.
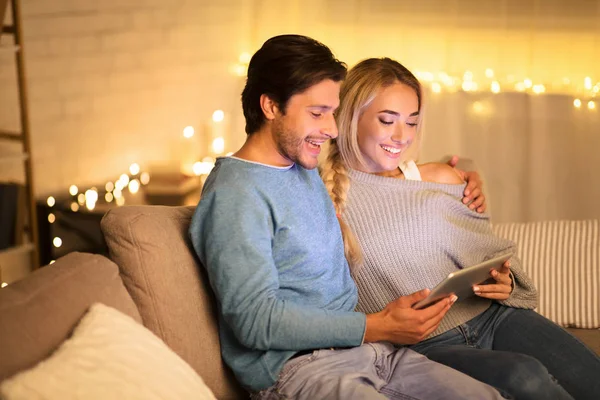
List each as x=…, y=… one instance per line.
x=218, y=145
x=51, y=201
x=245, y=58
x=134, y=168
x=51, y=218
x=74, y=206
x=218, y=116
x=489, y=73
x=577, y=103
x=495, y=87
x=134, y=186
x=202, y=168
x=73, y=190
x=144, y=178
x=188, y=132
x=537, y=89
x=109, y=186
x=591, y=105
x=520, y=86
x=91, y=196
x=528, y=83
x=57, y=242
x=120, y=201
x=117, y=193
x=436, y=87
x=468, y=76
x=124, y=179
x=240, y=70
x=4, y=284
x=587, y=83
x=81, y=199
x=108, y=197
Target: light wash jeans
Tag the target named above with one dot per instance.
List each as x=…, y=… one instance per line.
x=372, y=371
x=520, y=353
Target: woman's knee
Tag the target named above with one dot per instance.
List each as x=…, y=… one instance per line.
x=529, y=379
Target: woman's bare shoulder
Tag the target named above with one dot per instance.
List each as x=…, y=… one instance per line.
x=440, y=173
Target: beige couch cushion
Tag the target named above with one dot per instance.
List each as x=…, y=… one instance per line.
x=38, y=313
x=151, y=246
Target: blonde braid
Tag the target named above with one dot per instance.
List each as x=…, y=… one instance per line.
x=335, y=176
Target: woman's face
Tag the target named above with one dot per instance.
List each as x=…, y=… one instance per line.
x=388, y=127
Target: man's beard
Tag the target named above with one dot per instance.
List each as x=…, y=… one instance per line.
x=289, y=145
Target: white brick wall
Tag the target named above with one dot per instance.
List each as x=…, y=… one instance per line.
x=113, y=82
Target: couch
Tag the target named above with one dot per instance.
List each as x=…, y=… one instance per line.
x=151, y=276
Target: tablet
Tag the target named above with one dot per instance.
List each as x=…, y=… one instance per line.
x=461, y=282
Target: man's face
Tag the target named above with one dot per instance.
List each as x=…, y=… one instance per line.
x=308, y=122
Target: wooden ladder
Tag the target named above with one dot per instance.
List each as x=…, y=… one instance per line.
x=30, y=245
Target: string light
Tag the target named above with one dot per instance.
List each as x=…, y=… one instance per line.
x=436, y=87
x=528, y=83
x=188, y=132
x=51, y=201
x=587, y=83
x=144, y=178
x=120, y=201
x=134, y=186
x=591, y=105
x=218, y=145
x=57, y=242
x=495, y=87
x=245, y=58
x=51, y=218
x=134, y=168
x=489, y=73
x=577, y=103
x=73, y=190
x=4, y=284
x=109, y=186
x=218, y=116
x=108, y=197
x=81, y=199
x=538, y=89
x=74, y=207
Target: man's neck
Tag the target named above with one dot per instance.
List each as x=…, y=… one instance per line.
x=261, y=148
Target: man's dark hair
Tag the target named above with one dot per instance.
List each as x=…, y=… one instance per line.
x=286, y=65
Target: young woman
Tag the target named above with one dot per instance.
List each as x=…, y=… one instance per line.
x=405, y=228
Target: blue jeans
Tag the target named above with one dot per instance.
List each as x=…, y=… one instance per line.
x=519, y=352
x=372, y=371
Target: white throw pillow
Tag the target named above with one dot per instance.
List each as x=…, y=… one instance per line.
x=109, y=356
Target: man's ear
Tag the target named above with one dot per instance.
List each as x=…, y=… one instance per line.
x=269, y=107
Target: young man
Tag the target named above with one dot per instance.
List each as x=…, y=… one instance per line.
x=267, y=234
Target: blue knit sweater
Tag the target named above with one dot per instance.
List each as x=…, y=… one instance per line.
x=271, y=244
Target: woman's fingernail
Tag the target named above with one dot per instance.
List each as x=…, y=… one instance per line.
x=453, y=298
x=476, y=289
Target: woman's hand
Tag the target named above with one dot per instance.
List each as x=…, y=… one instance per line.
x=473, y=193
x=500, y=290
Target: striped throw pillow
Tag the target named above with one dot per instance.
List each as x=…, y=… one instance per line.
x=563, y=260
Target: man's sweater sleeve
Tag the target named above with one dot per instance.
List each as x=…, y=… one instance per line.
x=232, y=233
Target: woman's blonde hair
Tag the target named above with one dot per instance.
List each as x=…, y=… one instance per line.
x=362, y=84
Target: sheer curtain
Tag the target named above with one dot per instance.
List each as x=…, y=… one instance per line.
x=537, y=150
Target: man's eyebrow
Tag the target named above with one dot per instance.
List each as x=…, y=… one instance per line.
x=397, y=114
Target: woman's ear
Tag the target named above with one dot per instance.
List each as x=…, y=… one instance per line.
x=269, y=107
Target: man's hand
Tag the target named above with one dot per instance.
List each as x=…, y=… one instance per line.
x=399, y=323
x=501, y=289
x=473, y=193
